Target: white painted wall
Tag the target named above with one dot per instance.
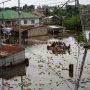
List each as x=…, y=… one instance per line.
x=29, y=22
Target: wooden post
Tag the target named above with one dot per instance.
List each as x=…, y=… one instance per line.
x=71, y=70
x=27, y=61
x=89, y=36
x=53, y=32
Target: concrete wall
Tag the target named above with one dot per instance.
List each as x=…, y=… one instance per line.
x=14, y=59
x=36, y=21
x=37, y=31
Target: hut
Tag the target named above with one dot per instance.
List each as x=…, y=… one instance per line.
x=11, y=54
x=53, y=29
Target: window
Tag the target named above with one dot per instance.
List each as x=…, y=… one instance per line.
x=25, y=21
x=32, y=21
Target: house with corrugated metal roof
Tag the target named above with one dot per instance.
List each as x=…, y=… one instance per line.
x=11, y=54
x=11, y=18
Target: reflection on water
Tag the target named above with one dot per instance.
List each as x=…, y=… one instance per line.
x=12, y=78
x=48, y=71
x=10, y=72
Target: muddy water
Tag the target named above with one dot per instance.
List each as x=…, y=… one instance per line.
x=48, y=71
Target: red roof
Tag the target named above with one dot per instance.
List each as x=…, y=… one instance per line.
x=10, y=49
x=23, y=28
x=38, y=13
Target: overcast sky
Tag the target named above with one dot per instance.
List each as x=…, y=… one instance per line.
x=39, y=2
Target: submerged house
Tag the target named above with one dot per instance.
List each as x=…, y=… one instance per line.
x=29, y=24
x=54, y=29
x=11, y=54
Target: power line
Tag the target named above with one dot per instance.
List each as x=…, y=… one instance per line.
x=59, y=3
x=5, y=1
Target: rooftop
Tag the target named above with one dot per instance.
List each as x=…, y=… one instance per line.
x=38, y=13
x=10, y=14
x=24, y=28
x=8, y=49
x=55, y=27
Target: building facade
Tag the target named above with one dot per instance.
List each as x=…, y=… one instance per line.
x=9, y=18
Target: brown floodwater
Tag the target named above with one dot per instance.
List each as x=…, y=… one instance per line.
x=49, y=71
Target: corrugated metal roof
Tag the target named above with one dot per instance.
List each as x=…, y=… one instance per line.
x=55, y=27
x=8, y=49
x=10, y=14
x=38, y=13
x=23, y=28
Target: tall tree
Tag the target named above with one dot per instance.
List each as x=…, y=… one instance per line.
x=71, y=10
x=31, y=7
x=73, y=23
x=14, y=8
x=25, y=7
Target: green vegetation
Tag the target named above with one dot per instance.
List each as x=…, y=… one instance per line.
x=72, y=23
x=79, y=37
x=67, y=16
x=87, y=24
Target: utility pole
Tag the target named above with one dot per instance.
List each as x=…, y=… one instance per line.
x=85, y=40
x=19, y=19
x=81, y=18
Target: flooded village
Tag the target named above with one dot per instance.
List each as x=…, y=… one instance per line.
x=45, y=48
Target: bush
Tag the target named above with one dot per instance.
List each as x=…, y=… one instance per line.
x=72, y=23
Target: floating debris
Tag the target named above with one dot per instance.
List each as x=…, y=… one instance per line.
x=40, y=65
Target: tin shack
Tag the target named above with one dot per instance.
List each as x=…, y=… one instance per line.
x=11, y=54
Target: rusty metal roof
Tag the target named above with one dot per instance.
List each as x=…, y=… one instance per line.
x=8, y=49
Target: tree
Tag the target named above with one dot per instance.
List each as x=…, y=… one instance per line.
x=14, y=8
x=7, y=8
x=25, y=7
x=28, y=8
x=55, y=11
x=47, y=12
x=73, y=23
x=71, y=10
x=31, y=7
x=39, y=8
